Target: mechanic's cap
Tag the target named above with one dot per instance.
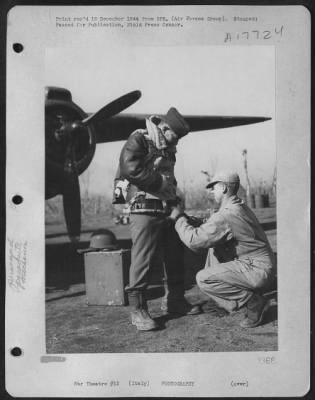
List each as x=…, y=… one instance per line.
x=224, y=176
x=176, y=122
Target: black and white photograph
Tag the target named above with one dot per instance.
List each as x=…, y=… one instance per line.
x=154, y=244
x=221, y=101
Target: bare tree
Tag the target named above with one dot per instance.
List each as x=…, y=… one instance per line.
x=248, y=185
x=207, y=175
x=213, y=167
x=274, y=181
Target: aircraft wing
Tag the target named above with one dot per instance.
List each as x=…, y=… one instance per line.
x=122, y=125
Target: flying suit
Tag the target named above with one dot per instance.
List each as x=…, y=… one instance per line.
x=240, y=260
x=150, y=171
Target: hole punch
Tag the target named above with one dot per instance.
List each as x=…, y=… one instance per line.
x=18, y=47
x=16, y=352
x=17, y=199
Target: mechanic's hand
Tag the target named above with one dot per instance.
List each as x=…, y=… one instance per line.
x=176, y=211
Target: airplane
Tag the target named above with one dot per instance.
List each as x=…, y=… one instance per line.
x=71, y=136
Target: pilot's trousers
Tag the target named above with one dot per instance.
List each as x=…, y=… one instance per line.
x=154, y=240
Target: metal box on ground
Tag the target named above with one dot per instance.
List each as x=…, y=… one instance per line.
x=106, y=275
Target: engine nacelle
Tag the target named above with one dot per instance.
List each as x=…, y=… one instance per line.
x=59, y=111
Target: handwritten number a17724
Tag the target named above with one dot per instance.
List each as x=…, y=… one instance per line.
x=254, y=35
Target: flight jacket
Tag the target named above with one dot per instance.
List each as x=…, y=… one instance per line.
x=146, y=167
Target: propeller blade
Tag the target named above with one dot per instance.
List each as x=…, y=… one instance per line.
x=204, y=123
x=121, y=126
x=113, y=108
x=72, y=203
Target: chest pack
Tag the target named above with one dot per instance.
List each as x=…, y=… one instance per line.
x=160, y=160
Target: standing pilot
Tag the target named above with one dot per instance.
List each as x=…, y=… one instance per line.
x=147, y=162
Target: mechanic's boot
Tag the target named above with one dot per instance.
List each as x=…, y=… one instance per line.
x=256, y=308
x=174, y=302
x=139, y=312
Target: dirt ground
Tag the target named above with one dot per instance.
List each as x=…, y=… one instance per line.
x=72, y=326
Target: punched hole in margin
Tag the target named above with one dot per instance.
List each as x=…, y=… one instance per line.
x=18, y=47
x=17, y=199
x=16, y=352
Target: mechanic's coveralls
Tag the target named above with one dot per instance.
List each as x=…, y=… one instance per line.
x=240, y=260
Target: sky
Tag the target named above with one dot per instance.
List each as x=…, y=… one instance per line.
x=201, y=80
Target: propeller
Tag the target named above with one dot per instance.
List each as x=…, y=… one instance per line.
x=72, y=200
x=115, y=107
x=69, y=133
x=120, y=126
x=201, y=123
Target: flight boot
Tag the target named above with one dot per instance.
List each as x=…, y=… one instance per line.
x=174, y=302
x=256, y=308
x=140, y=316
